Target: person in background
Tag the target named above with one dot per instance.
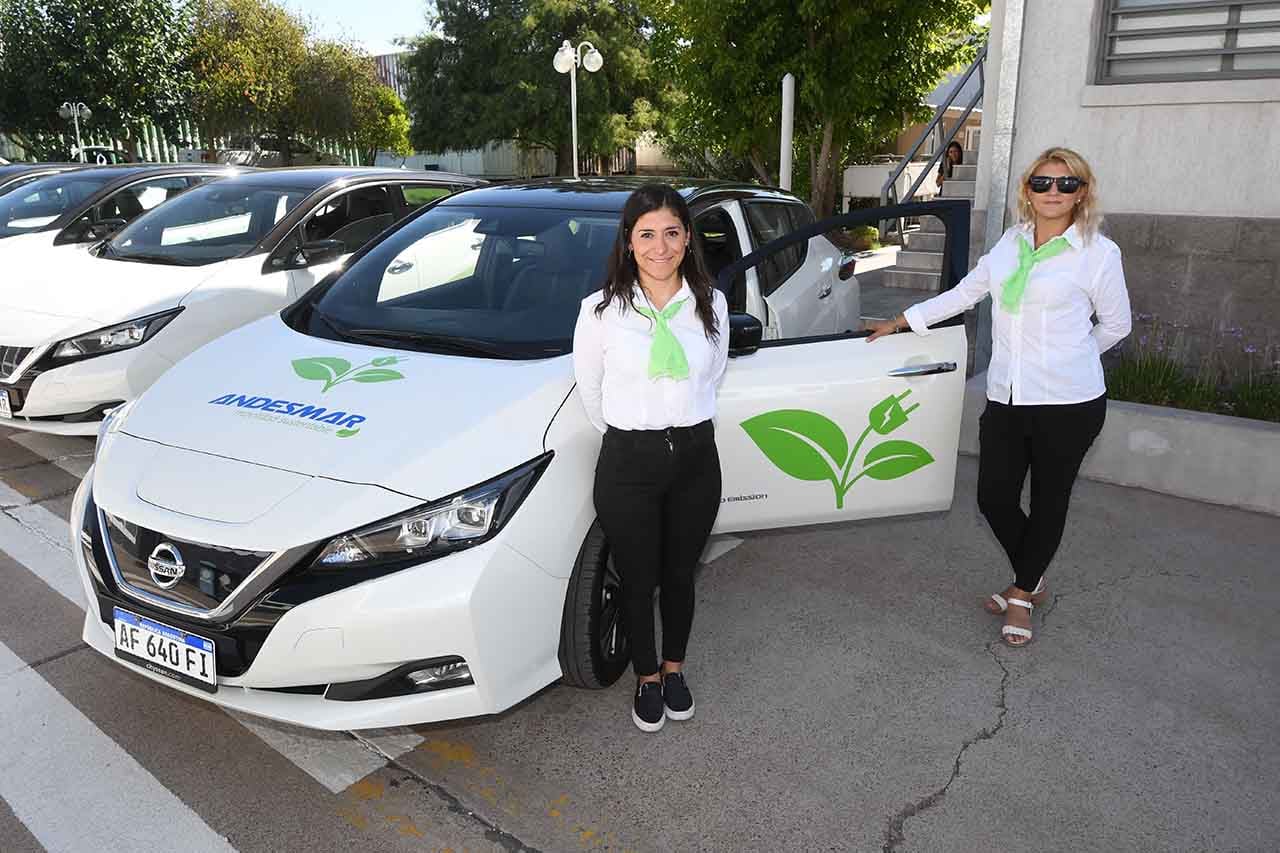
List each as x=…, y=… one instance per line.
x=952, y=158
x=649, y=351
x=1048, y=277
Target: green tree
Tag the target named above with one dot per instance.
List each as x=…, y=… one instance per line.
x=862, y=71
x=484, y=74
x=122, y=58
x=245, y=56
x=381, y=123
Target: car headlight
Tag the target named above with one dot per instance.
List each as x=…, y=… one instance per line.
x=451, y=524
x=121, y=336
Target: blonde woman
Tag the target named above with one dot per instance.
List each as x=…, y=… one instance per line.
x=1048, y=277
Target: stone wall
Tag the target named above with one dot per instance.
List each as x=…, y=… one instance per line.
x=1203, y=285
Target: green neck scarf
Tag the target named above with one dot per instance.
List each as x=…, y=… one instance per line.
x=666, y=356
x=1016, y=284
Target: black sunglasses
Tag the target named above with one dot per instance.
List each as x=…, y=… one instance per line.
x=1067, y=184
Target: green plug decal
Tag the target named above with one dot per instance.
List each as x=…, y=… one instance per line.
x=810, y=446
x=335, y=371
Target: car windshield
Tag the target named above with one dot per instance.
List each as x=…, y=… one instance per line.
x=205, y=225
x=37, y=205
x=500, y=282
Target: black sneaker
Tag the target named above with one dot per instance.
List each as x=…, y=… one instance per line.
x=676, y=696
x=647, y=711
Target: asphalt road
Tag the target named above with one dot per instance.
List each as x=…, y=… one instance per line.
x=851, y=696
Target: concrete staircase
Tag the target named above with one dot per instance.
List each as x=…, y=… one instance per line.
x=919, y=265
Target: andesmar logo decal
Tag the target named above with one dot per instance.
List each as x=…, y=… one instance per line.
x=809, y=446
x=330, y=371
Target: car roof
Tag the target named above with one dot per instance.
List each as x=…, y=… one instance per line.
x=609, y=193
x=315, y=177
x=122, y=171
x=10, y=169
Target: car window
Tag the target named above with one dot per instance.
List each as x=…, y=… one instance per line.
x=719, y=240
x=138, y=198
x=768, y=221
x=511, y=278
x=352, y=218
x=416, y=196
x=38, y=204
x=208, y=224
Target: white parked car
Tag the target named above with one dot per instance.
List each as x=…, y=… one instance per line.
x=84, y=334
x=14, y=175
x=375, y=508
x=79, y=207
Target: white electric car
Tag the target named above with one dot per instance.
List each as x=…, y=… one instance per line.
x=76, y=208
x=374, y=508
x=88, y=331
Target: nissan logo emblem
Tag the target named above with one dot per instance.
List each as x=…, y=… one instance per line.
x=166, y=566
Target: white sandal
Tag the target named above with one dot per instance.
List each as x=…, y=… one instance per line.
x=1037, y=597
x=1008, y=631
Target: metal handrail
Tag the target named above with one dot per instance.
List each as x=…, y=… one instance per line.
x=890, y=189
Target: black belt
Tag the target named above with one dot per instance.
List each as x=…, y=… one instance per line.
x=667, y=435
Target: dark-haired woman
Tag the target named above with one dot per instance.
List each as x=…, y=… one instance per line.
x=953, y=157
x=648, y=352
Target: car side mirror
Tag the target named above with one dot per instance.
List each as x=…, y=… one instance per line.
x=316, y=252
x=745, y=334
x=103, y=229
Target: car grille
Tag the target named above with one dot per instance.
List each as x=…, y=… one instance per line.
x=10, y=358
x=210, y=574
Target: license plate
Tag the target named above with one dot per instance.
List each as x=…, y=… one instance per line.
x=6, y=411
x=166, y=650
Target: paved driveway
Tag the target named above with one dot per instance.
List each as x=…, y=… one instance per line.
x=850, y=697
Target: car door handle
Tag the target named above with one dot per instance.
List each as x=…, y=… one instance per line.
x=924, y=369
x=398, y=267
x=825, y=292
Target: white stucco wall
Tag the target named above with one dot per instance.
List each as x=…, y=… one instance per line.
x=1205, y=148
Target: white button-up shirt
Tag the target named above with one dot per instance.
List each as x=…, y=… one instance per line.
x=611, y=363
x=1049, y=351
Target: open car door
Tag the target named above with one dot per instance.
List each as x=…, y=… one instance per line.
x=832, y=428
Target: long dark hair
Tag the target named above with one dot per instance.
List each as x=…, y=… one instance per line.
x=622, y=275
x=946, y=157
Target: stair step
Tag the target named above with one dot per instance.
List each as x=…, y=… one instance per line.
x=959, y=189
x=916, y=280
x=964, y=173
x=931, y=225
x=925, y=241
x=919, y=261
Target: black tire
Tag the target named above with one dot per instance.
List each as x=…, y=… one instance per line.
x=594, y=647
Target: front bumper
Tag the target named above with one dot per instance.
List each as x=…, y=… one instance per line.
x=489, y=605
x=72, y=399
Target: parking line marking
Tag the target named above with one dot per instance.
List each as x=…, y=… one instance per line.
x=72, y=454
x=82, y=771
x=12, y=497
x=39, y=540
x=334, y=759
x=24, y=535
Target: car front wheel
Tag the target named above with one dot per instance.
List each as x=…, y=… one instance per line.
x=594, y=648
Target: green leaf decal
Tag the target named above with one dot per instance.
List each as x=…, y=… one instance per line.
x=385, y=361
x=890, y=460
x=347, y=433
x=377, y=375
x=787, y=437
x=320, y=368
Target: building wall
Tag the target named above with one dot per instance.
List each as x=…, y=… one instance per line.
x=910, y=134
x=1188, y=175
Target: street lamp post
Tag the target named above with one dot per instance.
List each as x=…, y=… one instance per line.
x=567, y=60
x=75, y=112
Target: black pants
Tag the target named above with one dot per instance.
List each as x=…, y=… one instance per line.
x=657, y=493
x=1050, y=441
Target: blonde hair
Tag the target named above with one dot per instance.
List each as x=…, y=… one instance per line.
x=1087, y=215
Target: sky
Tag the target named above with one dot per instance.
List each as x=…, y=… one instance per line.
x=372, y=25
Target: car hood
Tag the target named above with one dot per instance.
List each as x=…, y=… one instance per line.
x=88, y=292
x=421, y=424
